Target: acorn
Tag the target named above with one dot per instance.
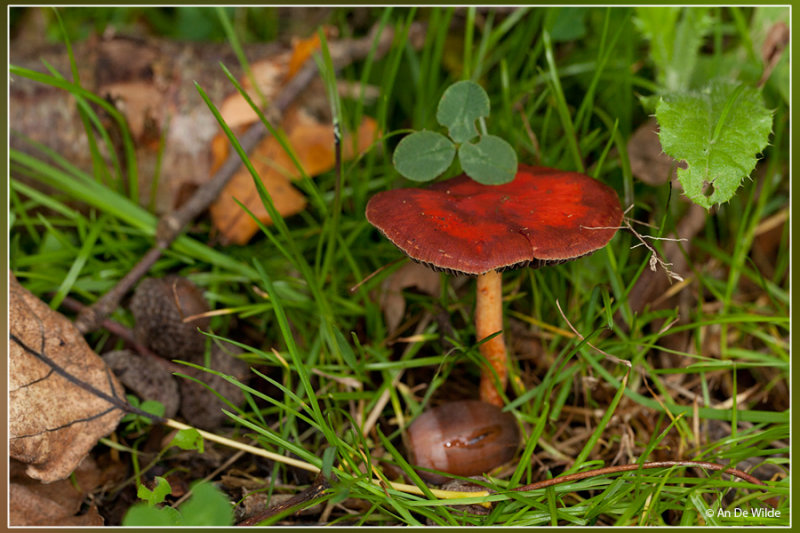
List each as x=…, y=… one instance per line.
x=159, y=306
x=465, y=438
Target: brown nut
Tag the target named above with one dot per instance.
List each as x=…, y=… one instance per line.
x=160, y=306
x=464, y=438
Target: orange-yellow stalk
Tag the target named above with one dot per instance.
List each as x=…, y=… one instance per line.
x=489, y=320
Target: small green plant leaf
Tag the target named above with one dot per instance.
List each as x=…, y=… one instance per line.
x=188, y=439
x=208, y=506
x=717, y=132
x=491, y=161
x=157, y=495
x=142, y=514
x=676, y=35
x=423, y=155
x=153, y=407
x=461, y=105
x=328, y=457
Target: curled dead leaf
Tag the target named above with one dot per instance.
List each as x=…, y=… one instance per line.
x=61, y=393
x=33, y=503
x=392, y=300
x=649, y=163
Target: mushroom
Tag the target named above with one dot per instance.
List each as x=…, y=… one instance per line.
x=544, y=216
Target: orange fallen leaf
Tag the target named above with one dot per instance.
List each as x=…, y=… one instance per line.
x=313, y=144
x=311, y=140
x=303, y=48
x=269, y=75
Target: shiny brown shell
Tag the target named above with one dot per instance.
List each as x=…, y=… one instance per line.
x=464, y=438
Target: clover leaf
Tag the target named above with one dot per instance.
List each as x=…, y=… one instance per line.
x=490, y=161
x=461, y=105
x=423, y=155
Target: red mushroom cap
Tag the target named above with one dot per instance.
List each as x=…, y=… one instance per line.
x=544, y=215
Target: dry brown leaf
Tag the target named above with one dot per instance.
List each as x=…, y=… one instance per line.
x=269, y=75
x=138, y=101
x=313, y=144
x=33, y=503
x=651, y=285
x=409, y=275
x=53, y=422
x=649, y=163
x=777, y=39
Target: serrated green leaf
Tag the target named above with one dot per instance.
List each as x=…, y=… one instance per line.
x=188, y=439
x=491, y=161
x=718, y=132
x=423, y=155
x=461, y=105
x=157, y=495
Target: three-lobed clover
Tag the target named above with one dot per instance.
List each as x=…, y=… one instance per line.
x=490, y=160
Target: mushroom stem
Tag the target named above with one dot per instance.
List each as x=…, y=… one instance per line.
x=489, y=320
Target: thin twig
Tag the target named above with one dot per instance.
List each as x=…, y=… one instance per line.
x=569, y=478
x=655, y=260
x=315, y=490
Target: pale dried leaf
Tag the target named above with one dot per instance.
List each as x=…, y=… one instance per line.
x=53, y=422
x=33, y=503
x=409, y=275
x=269, y=74
x=649, y=163
x=142, y=103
